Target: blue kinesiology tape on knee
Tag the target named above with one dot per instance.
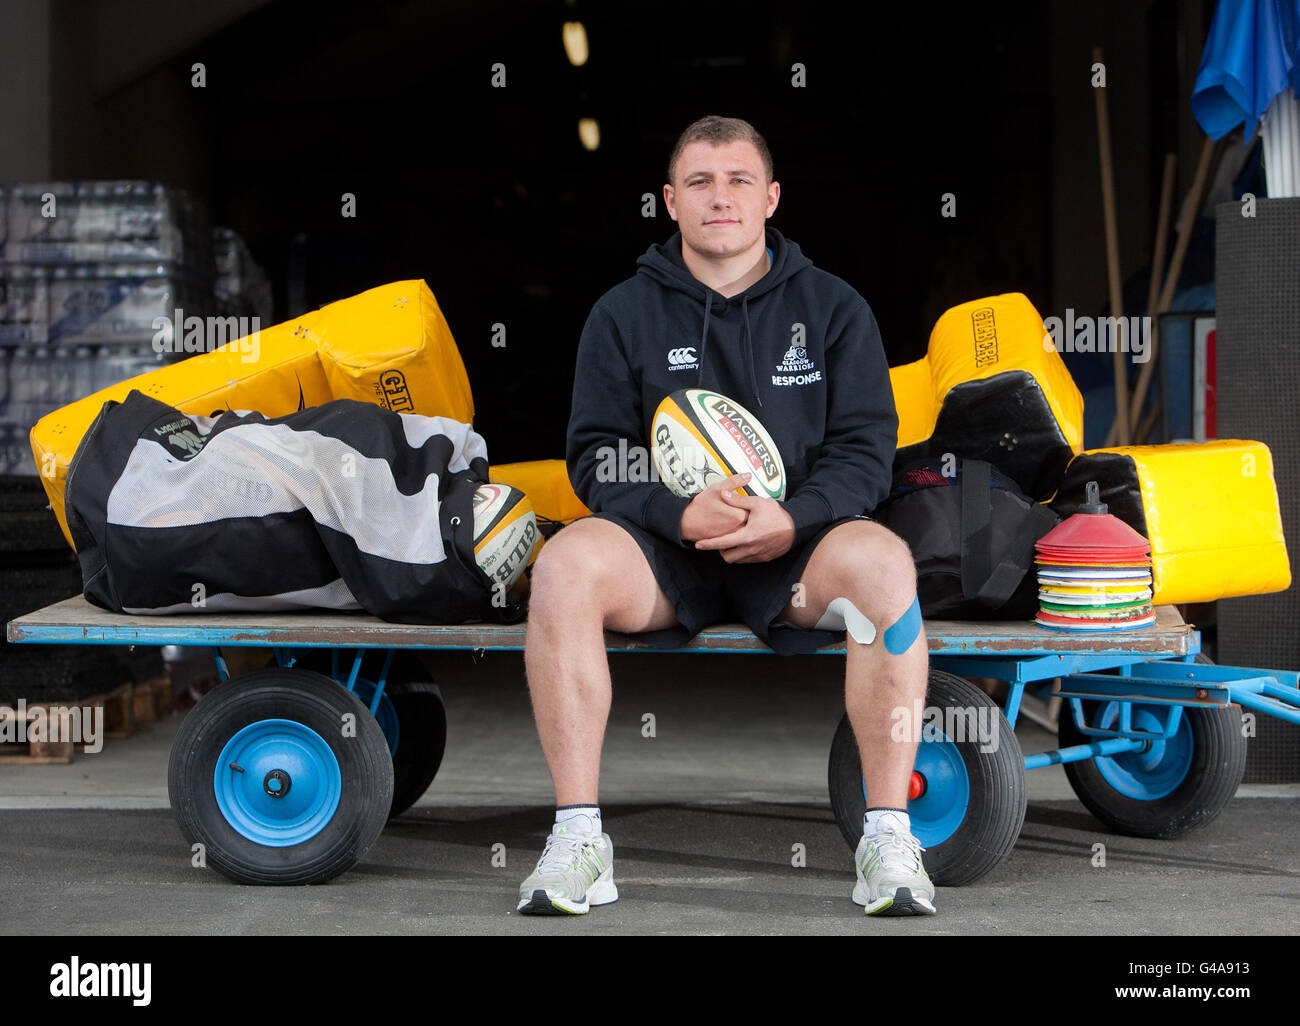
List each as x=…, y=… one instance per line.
x=899, y=638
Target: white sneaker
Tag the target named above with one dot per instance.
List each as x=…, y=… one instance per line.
x=891, y=879
x=575, y=872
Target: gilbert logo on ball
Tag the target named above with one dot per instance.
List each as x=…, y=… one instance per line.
x=505, y=532
x=701, y=437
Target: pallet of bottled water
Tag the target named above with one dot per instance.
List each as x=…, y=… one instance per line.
x=95, y=280
x=93, y=303
x=39, y=379
x=241, y=287
x=104, y=222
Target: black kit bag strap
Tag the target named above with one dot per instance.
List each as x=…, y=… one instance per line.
x=980, y=579
x=976, y=526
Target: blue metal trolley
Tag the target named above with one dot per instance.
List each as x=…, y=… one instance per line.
x=287, y=777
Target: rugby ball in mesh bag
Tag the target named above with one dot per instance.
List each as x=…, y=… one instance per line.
x=505, y=532
x=700, y=437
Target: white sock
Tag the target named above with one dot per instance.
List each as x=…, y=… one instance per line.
x=871, y=820
x=578, y=819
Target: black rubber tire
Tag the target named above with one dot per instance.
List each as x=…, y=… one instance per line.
x=308, y=698
x=1218, y=765
x=422, y=740
x=998, y=793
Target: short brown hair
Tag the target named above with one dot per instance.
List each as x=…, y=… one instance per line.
x=716, y=130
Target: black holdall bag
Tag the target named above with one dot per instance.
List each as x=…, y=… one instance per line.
x=972, y=538
x=340, y=506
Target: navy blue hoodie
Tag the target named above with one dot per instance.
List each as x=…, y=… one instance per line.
x=799, y=348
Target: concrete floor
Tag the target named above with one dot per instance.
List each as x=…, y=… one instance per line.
x=703, y=817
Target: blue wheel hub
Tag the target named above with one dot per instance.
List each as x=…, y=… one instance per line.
x=1157, y=770
x=277, y=782
x=945, y=793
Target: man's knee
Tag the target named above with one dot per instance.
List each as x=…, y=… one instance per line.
x=570, y=567
x=868, y=574
x=590, y=566
x=872, y=564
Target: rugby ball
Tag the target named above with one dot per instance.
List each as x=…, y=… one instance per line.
x=700, y=437
x=505, y=532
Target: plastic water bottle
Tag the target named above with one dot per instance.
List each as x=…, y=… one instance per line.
x=82, y=373
x=40, y=382
x=19, y=388
x=6, y=358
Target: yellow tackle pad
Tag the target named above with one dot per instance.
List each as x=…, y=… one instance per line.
x=1209, y=509
x=992, y=387
x=390, y=345
x=546, y=483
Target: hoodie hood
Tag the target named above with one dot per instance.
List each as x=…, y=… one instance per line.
x=663, y=264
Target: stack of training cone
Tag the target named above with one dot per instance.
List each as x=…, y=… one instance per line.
x=1094, y=573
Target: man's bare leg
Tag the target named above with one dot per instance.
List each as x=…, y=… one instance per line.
x=591, y=576
x=871, y=567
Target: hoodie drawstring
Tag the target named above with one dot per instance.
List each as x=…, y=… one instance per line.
x=749, y=351
x=749, y=345
x=704, y=336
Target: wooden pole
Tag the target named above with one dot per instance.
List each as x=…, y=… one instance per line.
x=1112, y=250
x=1162, y=234
x=1148, y=422
x=1157, y=263
x=1166, y=299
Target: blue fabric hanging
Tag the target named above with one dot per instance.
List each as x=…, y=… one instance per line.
x=1251, y=55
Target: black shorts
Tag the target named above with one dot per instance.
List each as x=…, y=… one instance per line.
x=705, y=590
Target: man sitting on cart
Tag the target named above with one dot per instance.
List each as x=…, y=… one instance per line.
x=729, y=304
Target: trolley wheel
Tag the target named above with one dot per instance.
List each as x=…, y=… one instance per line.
x=422, y=722
x=966, y=805
x=1170, y=788
x=283, y=776
x=411, y=714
